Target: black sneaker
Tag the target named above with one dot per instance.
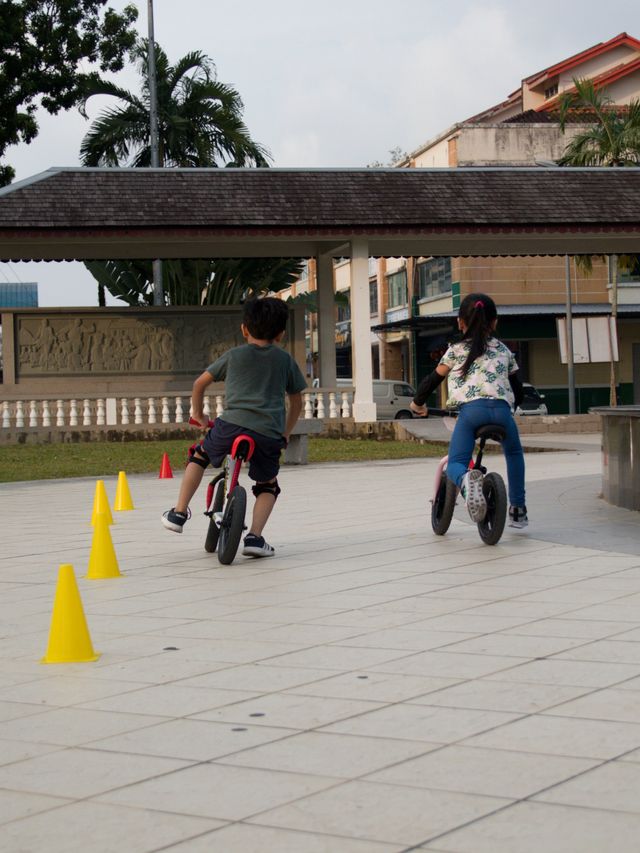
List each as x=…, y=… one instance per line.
x=255, y=546
x=175, y=521
x=518, y=516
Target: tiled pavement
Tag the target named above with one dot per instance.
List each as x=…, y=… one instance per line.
x=371, y=689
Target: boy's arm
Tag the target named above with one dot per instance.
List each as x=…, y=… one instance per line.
x=197, y=397
x=295, y=407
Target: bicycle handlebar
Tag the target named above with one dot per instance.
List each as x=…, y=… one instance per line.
x=198, y=424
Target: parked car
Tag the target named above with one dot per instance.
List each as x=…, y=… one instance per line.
x=391, y=396
x=532, y=404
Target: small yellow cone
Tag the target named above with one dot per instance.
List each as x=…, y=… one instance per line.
x=102, y=560
x=101, y=504
x=123, y=495
x=69, y=640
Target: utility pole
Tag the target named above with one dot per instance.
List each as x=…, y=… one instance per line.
x=158, y=289
x=571, y=379
x=613, y=266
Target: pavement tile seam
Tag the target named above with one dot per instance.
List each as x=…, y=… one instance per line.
x=299, y=832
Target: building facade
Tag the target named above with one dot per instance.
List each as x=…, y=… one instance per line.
x=521, y=131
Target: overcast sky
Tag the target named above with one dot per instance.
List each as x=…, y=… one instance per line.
x=342, y=82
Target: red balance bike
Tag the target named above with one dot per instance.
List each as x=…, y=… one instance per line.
x=226, y=502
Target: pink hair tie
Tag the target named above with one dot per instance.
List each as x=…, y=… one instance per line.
x=479, y=304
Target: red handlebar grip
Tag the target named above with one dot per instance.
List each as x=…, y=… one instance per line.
x=198, y=424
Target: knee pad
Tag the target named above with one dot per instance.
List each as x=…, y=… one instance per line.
x=267, y=488
x=197, y=448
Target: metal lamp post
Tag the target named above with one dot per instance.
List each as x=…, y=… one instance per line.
x=158, y=289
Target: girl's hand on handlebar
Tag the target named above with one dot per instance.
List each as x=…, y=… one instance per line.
x=422, y=411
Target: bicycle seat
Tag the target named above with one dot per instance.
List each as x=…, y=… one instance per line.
x=243, y=448
x=491, y=431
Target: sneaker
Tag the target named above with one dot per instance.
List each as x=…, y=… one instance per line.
x=175, y=521
x=255, y=546
x=518, y=516
x=471, y=491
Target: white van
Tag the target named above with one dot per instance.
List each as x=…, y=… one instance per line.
x=391, y=396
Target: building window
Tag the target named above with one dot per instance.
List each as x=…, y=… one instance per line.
x=344, y=311
x=434, y=277
x=373, y=297
x=628, y=269
x=551, y=91
x=397, y=284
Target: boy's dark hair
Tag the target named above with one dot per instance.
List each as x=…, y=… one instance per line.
x=265, y=318
x=478, y=312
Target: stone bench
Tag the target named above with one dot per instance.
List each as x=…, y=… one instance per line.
x=298, y=449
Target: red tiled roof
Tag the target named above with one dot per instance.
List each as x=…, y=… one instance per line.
x=599, y=82
x=578, y=58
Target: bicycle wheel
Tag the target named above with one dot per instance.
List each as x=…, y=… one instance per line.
x=232, y=526
x=213, y=531
x=495, y=494
x=443, y=505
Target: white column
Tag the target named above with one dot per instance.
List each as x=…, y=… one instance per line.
x=364, y=409
x=326, y=321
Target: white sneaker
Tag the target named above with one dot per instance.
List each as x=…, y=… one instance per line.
x=471, y=491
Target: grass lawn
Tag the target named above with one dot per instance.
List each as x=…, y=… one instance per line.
x=104, y=459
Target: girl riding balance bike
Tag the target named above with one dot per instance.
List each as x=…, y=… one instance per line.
x=483, y=386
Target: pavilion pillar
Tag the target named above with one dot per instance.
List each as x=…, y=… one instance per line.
x=326, y=321
x=364, y=409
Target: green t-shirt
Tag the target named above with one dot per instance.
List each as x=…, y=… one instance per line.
x=256, y=381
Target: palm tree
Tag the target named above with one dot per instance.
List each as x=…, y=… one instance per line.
x=199, y=124
x=612, y=140
x=614, y=137
x=199, y=118
x=224, y=281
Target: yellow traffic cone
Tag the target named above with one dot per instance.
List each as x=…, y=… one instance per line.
x=69, y=640
x=123, y=495
x=101, y=503
x=102, y=560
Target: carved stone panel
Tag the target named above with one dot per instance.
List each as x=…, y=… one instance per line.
x=113, y=345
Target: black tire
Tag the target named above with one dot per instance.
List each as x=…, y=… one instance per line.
x=495, y=494
x=211, y=542
x=404, y=415
x=443, y=506
x=232, y=526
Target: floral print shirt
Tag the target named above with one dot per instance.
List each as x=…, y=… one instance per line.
x=487, y=377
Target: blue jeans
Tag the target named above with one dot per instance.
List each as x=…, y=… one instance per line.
x=473, y=415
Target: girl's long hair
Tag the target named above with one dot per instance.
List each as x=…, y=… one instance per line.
x=477, y=311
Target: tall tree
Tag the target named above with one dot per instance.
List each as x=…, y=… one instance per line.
x=199, y=118
x=199, y=124
x=43, y=45
x=611, y=138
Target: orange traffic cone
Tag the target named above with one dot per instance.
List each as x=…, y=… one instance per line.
x=165, y=469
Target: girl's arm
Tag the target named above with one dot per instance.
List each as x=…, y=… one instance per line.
x=516, y=387
x=428, y=384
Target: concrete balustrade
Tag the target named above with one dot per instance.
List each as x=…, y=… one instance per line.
x=122, y=412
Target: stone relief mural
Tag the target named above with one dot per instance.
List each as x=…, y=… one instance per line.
x=114, y=345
